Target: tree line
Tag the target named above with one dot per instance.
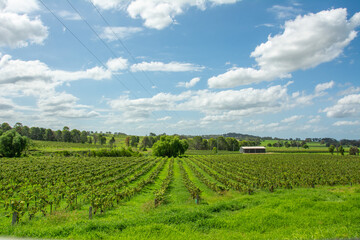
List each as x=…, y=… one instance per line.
x=64, y=135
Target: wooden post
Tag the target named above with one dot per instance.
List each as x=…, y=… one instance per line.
x=14, y=218
x=197, y=199
x=90, y=212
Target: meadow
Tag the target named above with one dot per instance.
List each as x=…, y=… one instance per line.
x=225, y=196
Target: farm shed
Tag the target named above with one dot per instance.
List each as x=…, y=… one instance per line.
x=258, y=149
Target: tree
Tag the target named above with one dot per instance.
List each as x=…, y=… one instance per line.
x=341, y=150
x=12, y=144
x=58, y=136
x=66, y=134
x=75, y=136
x=112, y=141
x=84, y=137
x=18, y=127
x=134, y=140
x=331, y=149
x=305, y=146
x=197, y=142
x=170, y=146
x=145, y=142
x=222, y=144
x=353, y=151
x=49, y=135
x=102, y=139
x=5, y=127
x=127, y=141
x=212, y=143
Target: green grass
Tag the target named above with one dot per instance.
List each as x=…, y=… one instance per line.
x=320, y=213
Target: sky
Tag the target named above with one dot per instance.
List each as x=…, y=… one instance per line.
x=268, y=68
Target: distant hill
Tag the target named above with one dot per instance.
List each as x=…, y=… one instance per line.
x=238, y=136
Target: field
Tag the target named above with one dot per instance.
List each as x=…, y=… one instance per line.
x=269, y=196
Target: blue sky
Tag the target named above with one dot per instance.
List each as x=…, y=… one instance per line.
x=268, y=68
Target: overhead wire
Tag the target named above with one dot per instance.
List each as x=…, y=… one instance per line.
x=106, y=45
x=126, y=49
x=81, y=42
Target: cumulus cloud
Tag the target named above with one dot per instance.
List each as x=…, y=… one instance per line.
x=114, y=33
x=217, y=106
x=157, y=14
x=13, y=71
x=116, y=64
x=63, y=105
x=20, y=78
x=190, y=84
x=306, y=42
x=348, y=106
x=17, y=28
x=165, y=67
x=320, y=88
x=19, y=6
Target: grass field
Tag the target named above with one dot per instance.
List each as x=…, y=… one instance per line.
x=322, y=212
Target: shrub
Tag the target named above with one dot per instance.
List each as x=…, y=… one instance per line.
x=12, y=144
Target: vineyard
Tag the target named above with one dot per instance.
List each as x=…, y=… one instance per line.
x=36, y=189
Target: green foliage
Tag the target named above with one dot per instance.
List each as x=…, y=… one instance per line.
x=170, y=146
x=353, y=150
x=214, y=150
x=331, y=149
x=341, y=150
x=12, y=144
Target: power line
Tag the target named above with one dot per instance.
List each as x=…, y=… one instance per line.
x=79, y=40
x=121, y=42
x=106, y=45
x=126, y=49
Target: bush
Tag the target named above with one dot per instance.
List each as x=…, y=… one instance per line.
x=12, y=144
x=353, y=150
x=170, y=146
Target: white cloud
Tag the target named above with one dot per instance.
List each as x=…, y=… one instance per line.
x=17, y=28
x=69, y=15
x=164, y=118
x=320, y=88
x=13, y=71
x=6, y=104
x=116, y=64
x=314, y=119
x=346, y=123
x=19, y=6
x=227, y=105
x=114, y=33
x=110, y=4
x=63, y=105
x=292, y=119
x=348, y=106
x=305, y=43
x=350, y=90
x=190, y=84
x=285, y=11
x=157, y=14
x=35, y=79
x=165, y=67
